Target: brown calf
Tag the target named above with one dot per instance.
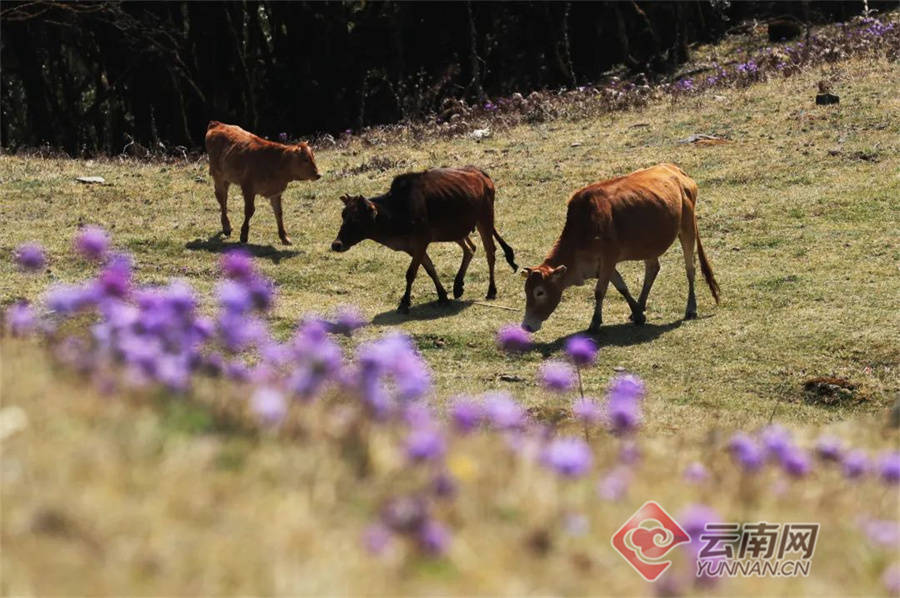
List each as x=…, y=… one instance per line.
x=634, y=217
x=442, y=204
x=259, y=166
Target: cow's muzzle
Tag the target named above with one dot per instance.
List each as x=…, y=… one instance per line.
x=338, y=245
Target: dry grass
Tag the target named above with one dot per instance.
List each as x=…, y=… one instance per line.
x=798, y=214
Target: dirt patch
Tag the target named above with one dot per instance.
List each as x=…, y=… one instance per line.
x=830, y=391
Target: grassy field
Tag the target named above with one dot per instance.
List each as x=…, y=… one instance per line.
x=798, y=213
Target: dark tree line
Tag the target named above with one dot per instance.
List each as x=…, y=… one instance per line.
x=94, y=76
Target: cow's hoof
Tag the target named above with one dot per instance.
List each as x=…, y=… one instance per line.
x=691, y=315
x=491, y=294
x=638, y=319
x=457, y=290
x=226, y=231
x=244, y=237
x=403, y=308
x=594, y=329
x=286, y=241
x=443, y=299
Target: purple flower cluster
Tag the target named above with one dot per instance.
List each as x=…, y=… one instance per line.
x=92, y=242
x=30, y=257
x=512, y=338
x=410, y=517
x=557, y=376
x=569, y=457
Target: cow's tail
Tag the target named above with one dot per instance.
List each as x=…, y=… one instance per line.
x=705, y=266
x=507, y=251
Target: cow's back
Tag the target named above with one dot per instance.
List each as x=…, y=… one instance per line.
x=639, y=214
x=449, y=200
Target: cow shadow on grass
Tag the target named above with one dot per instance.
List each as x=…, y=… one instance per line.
x=218, y=244
x=612, y=335
x=422, y=311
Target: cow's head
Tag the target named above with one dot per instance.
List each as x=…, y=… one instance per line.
x=357, y=221
x=303, y=163
x=543, y=290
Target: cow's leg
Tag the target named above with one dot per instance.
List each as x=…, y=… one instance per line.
x=637, y=314
x=416, y=254
x=249, y=208
x=687, y=246
x=486, y=230
x=599, y=292
x=468, y=252
x=429, y=267
x=651, y=269
x=221, y=187
x=275, y=200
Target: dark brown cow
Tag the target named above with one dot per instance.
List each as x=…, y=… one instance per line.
x=634, y=217
x=442, y=204
x=259, y=166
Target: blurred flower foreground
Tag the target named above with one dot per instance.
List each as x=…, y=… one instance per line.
x=480, y=461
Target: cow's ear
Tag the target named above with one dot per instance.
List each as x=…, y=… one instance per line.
x=557, y=272
x=525, y=272
x=345, y=199
x=373, y=209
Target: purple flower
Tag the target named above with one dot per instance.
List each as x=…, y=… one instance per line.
x=557, y=376
x=796, y=462
x=30, y=257
x=489, y=106
x=777, y=441
x=855, y=464
x=891, y=580
x=569, y=457
x=581, y=350
x=20, y=319
x=115, y=279
x=283, y=137
x=882, y=532
x=92, y=242
x=347, y=320
x=614, y=485
x=629, y=453
x=425, y=444
x=627, y=386
x=746, y=452
x=234, y=297
x=512, y=338
x=66, y=299
x=377, y=538
x=404, y=514
x=466, y=414
x=237, y=370
x=696, y=473
x=418, y=415
x=693, y=520
x=392, y=357
x=238, y=265
x=587, y=410
x=434, y=538
x=502, y=411
x=623, y=413
x=269, y=405
x=444, y=485
x=889, y=468
x=829, y=448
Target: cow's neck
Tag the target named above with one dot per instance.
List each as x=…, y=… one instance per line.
x=562, y=254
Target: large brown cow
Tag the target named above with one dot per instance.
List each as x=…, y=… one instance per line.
x=259, y=166
x=634, y=217
x=442, y=204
